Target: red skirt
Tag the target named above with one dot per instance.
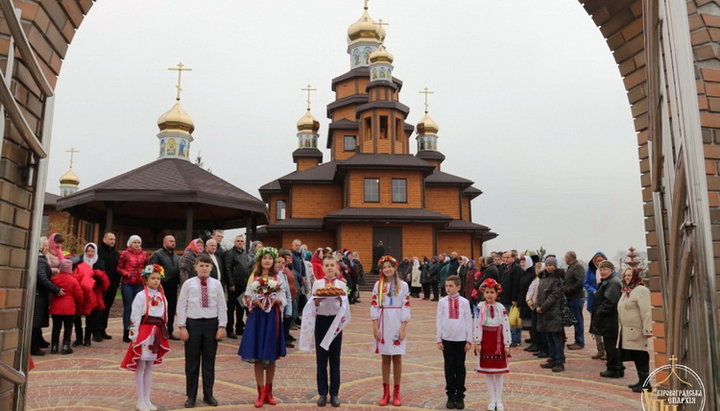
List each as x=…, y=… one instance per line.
x=492, y=352
x=160, y=346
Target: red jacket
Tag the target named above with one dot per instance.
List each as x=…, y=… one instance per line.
x=102, y=283
x=93, y=284
x=67, y=304
x=130, y=266
x=317, y=267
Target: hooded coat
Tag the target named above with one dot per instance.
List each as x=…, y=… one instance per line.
x=550, y=293
x=591, y=282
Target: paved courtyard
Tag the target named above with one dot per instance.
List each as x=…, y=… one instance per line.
x=90, y=379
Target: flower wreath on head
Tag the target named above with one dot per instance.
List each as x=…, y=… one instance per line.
x=266, y=250
x=153, y=268
x=491, y=283
x=387, y=259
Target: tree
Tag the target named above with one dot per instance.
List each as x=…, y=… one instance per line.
x=541, y=253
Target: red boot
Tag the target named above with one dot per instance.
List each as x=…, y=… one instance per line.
x=268, y=395
x=386, y=395
x=396, y=396
x=261, y=396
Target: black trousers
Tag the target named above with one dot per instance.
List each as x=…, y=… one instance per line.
x=77, y=322
x=454, y=356
x=322, y=325
x=60, y=321
x=36, y=338
x=110, y=295
x=234, y=308
x=641, y=360
x=614, y=360
x=201, y=347
x=171, y=294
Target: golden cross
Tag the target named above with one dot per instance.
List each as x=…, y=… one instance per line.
x=380, y=23
x=180, y=68
x=309, y=89
x=426, y=92
x=72, y=151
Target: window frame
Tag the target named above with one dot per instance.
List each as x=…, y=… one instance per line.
x=365, y=189
x=392, y=190
x=345, y=147
x=278, y=209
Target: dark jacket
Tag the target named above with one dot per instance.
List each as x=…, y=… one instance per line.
x=525, y=280
x=214, y=272
x=298, y=265
x=237, y=264
x=550, y=295
x=605, y=315
x=434, y=271
x=110, y=257
x=574, y=278
x=510, y=281
x=170, y=262
x=491, y=271
x=591, y=283
x=42, y=297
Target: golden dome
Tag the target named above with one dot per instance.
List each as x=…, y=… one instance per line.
x=176, y=119
x=365, y=29
x=70, y=178
x=307, y=123
x=381, y=55
x=427, y=126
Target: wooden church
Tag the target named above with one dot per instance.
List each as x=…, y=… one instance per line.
x=372, y=189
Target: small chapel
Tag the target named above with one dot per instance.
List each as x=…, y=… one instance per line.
x=372, y=190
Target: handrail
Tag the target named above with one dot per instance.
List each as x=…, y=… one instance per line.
x=23, y=44
x=9, y=373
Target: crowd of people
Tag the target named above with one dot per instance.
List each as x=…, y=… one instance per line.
x=260, y=295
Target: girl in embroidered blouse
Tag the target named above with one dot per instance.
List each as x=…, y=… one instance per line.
x=264, y=339
x=492, y=342
x=390, y=313
x=148, y=334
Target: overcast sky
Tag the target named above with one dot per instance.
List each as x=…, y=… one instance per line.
x=529, y=101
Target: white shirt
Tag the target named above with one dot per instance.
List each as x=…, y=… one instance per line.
x=453, y=329
x=190, y=303
x=217, y=266
x=328, y=306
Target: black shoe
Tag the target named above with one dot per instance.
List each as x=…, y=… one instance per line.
x=37, y=353
x=542, y=355
x=97, y=337
x=434, y=299
x=173, y=337
x=640, y=388
x=66, y=348
x=210, y=400
x=335, y=401
x=639, y=383
x=126, y=335
x=532, y=348
x=240, y=331
x=322, y=401
x=190, y=402
x=459, y=403
x=611, y=374
x=528, y=341
x=558, y=368
x=106, y=336
x=450, y=404
x=77, y=343
x=43, y=344
x=88, y=338
x=232, y=335
x=513, y=345
x=290, y=338
x=53, y=349
x=547, y=365
x=289, y=344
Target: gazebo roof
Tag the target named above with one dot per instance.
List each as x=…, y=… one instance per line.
x=163, y=190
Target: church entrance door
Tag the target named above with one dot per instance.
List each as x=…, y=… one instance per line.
x=391, y=238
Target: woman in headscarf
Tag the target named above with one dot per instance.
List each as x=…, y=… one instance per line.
x=527, y=278
x=41, y=317
x=635, y=315
x=91, y=275
x=187, y=261
x=131, y=264
x=54, y=252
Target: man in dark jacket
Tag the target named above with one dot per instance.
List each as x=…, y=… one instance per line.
x=548, y=309
x=575, y=294
x=490, y=270
x=42, y=303
x=218, y=236
x=605, y=318
x=237, y=264
x=510, y=274
x=170, y=262
x=110, y=256
x=298, y=267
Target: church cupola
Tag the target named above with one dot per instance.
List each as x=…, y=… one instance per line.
x=381, y=64
x=364, y=37
x=427, y=136
x=307, y=154
x=176, y=126
x=69, y=182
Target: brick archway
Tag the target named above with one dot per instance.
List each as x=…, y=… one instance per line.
x=35, y=39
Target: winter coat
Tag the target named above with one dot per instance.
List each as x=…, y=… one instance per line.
x=635, y=316
x=237, y=264
x=550, y=293
x=462, y=273
x=214, y=272
x=443, y=274
x=491, y=271
x=525, y=280
x=84, y=275
x=574, y=278
x=110, y=258
x=187, y=265
x=130, y=266
x=42, y=293
x=470, y=281
x=605, y=315
x=425, y=273
x=69, y=303
x=434, y=271
x=317, y=267
x=591, y=282
x=510, y=281
x=170, y=262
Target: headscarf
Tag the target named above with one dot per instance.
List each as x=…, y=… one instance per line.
x=634, y=281
x=528, y=263
x=55, y=247
x=133, y=238
x=192, y=245
x=90, y=261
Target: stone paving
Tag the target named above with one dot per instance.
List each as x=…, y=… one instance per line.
x=90, y=379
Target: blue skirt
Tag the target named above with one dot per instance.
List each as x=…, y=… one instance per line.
x=264, y=336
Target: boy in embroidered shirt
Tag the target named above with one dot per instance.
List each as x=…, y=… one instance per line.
x=454, y=338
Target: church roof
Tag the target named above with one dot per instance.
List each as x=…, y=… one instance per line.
x=344, y=124
x=50, y=199
x=462, y=225
x=441, y=178
x=472, y=192
x=417, y=215
x=383, y=161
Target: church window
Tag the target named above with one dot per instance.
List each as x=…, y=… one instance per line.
x=399, y=190
x=368, y=128
x=398, y=129
x=383, y=127
x=350, y=143
x=280, y=212
x=372, y=190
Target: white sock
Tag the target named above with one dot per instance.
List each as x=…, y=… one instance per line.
x=148, y=382
x=490, y=381
x=499, y=381
x=140, y=381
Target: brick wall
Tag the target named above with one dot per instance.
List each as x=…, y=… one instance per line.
x=314, y=200
x=444, y=200
x=418, y=240
x=356, y=188
x=459, y=242
x=357, y=237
